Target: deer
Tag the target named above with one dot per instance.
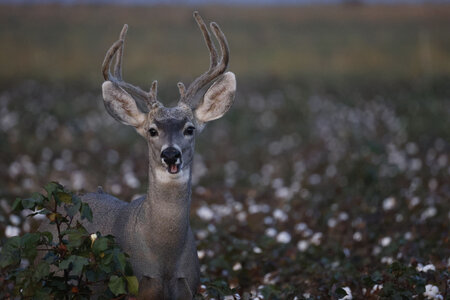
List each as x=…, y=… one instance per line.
x=155, y=229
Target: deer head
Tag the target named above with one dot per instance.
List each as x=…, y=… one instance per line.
x=170, y=131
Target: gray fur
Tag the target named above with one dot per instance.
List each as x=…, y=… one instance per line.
x=155, y=230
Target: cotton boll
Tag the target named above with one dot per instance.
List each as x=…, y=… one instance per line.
x=302, y=245
x=300, y=227
x=241, y=216
x=257, y=250
x=201, y=254
x=283, y=237
x=414, y=201
x=268, y=220
x=202, y=234
x=387, y=260
x=316, y=238
x=11, y=231
x=426, y=268
x=389, y=203
x=331, y=222
x=15, y=220
x=343, y=216
x=386, y=241
x=357, y=236
x=237, y=266
x=280, y=215
x=349, y=294
x=408, y=236
x=376, y=288
x=271, y=232
x=205, y=213
x=428, y=213
x=432, y=292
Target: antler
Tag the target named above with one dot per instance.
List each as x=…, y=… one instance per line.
x=216, y=67
x=116, y=49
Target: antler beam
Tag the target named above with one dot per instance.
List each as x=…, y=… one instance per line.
x=216, y=67
x=117, y=50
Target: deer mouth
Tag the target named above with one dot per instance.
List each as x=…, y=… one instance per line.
x=174, y=168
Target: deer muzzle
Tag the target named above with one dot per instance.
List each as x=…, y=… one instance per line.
x=171, y=157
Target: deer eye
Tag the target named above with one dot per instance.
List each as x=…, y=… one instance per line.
x=153, y=132
x=189, y=131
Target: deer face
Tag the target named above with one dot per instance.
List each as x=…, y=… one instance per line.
x=170, y=132
x=171, y=137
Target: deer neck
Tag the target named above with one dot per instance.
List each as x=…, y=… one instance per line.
x=166, y=207
x=169, y=192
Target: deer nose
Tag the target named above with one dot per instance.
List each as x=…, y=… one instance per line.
x=171, y=155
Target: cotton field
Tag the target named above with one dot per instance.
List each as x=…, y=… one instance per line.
x=295, y=196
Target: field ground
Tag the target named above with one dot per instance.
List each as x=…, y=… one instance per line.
x=331, y=170
x=315, y=42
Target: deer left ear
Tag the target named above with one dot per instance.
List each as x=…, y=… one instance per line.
x=218, y=99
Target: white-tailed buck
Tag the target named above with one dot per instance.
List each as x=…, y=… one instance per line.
x=155, y=230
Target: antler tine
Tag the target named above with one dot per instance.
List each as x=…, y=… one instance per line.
x=216, y=68
x=108, y=57
x=118, y=65
x=154, y=89
x=181, y=88
x=220, y=36
x=212, y=49
x=149, y=98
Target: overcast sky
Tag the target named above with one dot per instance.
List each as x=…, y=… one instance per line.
x=141, y=2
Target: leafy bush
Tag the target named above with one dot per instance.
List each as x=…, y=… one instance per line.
x=72, y=264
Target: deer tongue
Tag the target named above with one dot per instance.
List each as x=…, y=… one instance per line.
x=173, y=168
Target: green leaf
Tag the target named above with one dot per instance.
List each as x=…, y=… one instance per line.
x=29, y=242
x=73, y=209
x=133, y=285
x=76, y=262
x=38, y=198
x=340, y=292
x=64, y=197
x=120, y=259
x=116, y=285
x=76, y=199
x=31, y=239
x=65, y=264
x=43, y=294
x=76, y=236
x=377, y=277
x=107, y=259
x=86, y=212
x=41, y=270
x=28, y=203
x=17, y=205
x=10, y=254
x=51, y=187
x=49, y=236
x=100, y=245
x=94, y=275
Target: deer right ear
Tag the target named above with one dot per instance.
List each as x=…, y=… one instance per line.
x=121, y=106
x=218, y=99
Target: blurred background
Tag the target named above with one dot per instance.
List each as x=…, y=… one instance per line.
x=335, y=155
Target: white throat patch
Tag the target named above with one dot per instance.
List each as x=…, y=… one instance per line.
x=165, y=177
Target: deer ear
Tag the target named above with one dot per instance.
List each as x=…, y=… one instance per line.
x=121, y=106
x=218, y=99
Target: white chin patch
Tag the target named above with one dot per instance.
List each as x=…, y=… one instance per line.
x=164, y=175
